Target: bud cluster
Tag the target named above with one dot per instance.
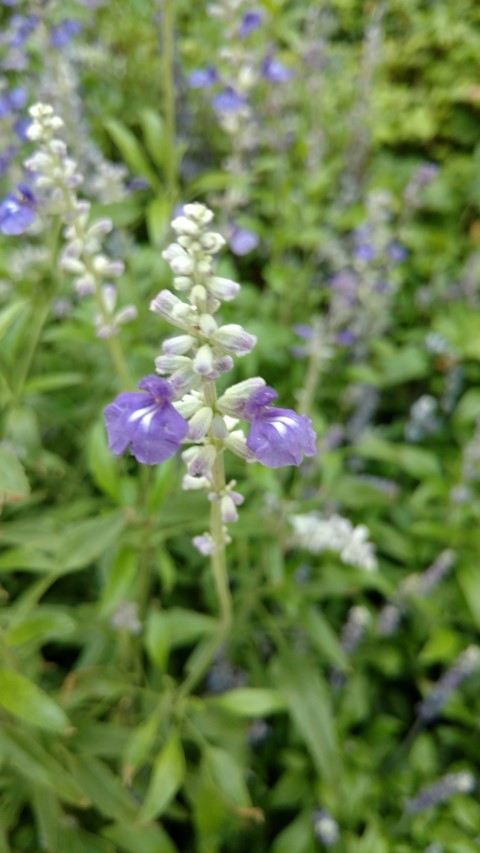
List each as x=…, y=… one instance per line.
x=57, y=178
x=316, y=534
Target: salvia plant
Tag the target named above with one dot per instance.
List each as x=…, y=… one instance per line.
x=233, y=617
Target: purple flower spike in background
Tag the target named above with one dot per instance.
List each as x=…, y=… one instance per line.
x=277, y=437
x=250, y=22
x=242, y=241
x=228, y=101
x=275, y=71
x=17, y=212
x=203, y=77
x=61, y=34
x=147, y=422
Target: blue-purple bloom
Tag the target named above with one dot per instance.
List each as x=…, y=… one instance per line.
x=250, y=22
x=61, y=34
x=17, y=212
x=228, y=101
x=201, y=78
x=345, y=337
x=242, y=241
x=277, y=437
x=397, y=253
x=146, y=421
x=274, y=70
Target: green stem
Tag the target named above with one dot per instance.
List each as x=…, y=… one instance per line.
x=40, y=315
x=307, y=394
x=169, y=97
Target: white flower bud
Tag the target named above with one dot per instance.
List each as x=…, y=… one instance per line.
x=183, y=225
x=105, y=267
x=228, y=509
x=85, y=285
x=182, y=283
x=198, y=295
x=212, y=242
x=199, y=460
x=207, y=324
x=203, y=361
x=199, y=424
x=72, y=265
x=109, y=297
x=194, y=483
x=168, y=363
x=198, y=212
x=223, y=288
x=182, y=266
x=126, y=315
x=219, y=428
x=233, y=400
x=171, y=308
x=237, y=443
x=178, y=345
x=234, y=339
x=188, y=405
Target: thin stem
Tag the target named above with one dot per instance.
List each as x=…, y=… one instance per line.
x=315, y=363
x=169, y=97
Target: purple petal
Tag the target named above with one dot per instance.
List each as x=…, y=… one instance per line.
x=250, y=22
x=280, y=437
x=160, y=389
x=61, y=34
x=15, y=215
x=275, y=71
x=201, y=78
x=146, y=422
x=258, y=400
x=242, y=241
x=227, y=101
x=303, y=331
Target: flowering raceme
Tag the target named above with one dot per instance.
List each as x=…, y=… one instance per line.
x=184, y=405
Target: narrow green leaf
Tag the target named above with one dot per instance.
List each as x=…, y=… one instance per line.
x=131, y=151
x=228, y=776
x=158, y=639
x=308, y=701
x=102, y=464
x=156, y=142
x=139, y=839
x=85, y=541
x=297, y=837
x=42, y=624
x=323, y=638
x=167, y=776
x=121, y=579
x=24, y=699
x=251, y=702
x=101, y=785
x=14, y=485
x=52, y=382
x=9, y=314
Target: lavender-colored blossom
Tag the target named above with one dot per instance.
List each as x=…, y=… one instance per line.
x=201, y=78
x=21, y=26
x=274, y=71
x=61, y=34
x=303, y=330
x=17, y=97
x=20, y=128
x=277, y=437
x=250, y=22
x=242, y=241
x=146, y=421
x=228, y=101
x=17, y=212
x=397, y=253
x=6, y=158
x=364, y=252
x=138, y=184
x=345, y=338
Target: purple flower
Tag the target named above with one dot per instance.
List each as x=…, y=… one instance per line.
x=17, y=212
x=304, y=331
x=277, y=437
x=250, y=21
x=345, y=337
x=227, y=101
x=397, y=253
x=275, y=71
x=147, y=422
x=21, y=27
x=61, y=34
x=6, y=158
x=201, y=78
x=21, y=127
x=17, y=97
x=364, y=252
x=242, y=241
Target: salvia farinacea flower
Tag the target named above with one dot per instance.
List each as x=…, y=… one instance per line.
x=201, y=351
x=146, y=422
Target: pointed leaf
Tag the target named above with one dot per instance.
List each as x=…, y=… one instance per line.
x=24, y=699
x=167, y=776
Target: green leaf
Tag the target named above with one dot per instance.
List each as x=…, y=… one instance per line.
x=251, y=702
x=24, y=699
x=324, y=638
x=40, y=625
x=187, y=626
x=9, y=314
x=14, y=485
x=87, y=540
x=167, y=776
x=52, y=382
x=36, y=765
x=102, y=464
x=157, y=639
x=121, y=580
x=415, y=461
x=228, y=776
x=297, y=836
x=102, y=786
x=156, y=141
x=139, y=839
x=131, y=151
x=309, y=705
x=158, y=218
